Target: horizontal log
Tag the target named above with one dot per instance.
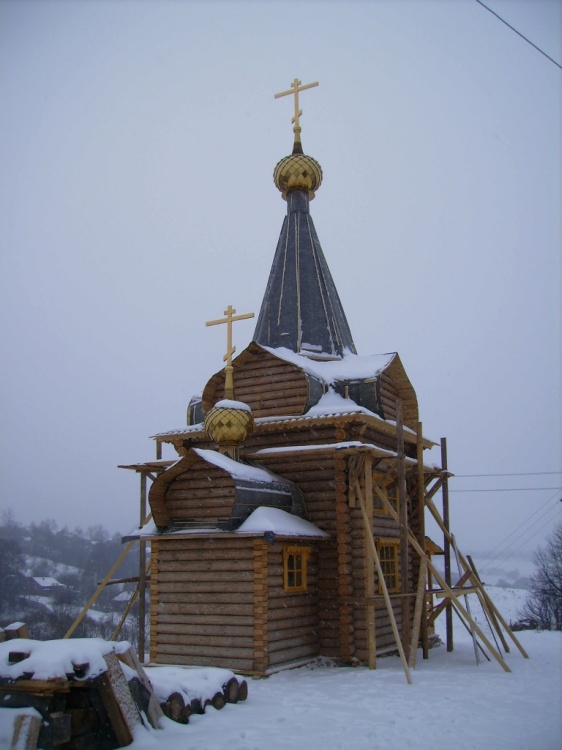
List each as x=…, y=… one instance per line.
x=203, y=641
x=292, y=654
x=213, y=608
x=205, y=620
x=204, y=651
x=300, y=620
x=233, y=663
x=206, y=591
x=212, y=560
x=170, y=594
x=198, y=547
x=200, y=628
x=282, y=619
x=229, y=564
x=195, y=580
x=284, y=644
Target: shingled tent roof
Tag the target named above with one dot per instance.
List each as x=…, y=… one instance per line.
x=301, y=308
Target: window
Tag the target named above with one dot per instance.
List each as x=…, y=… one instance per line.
x=388, y=550
x=295, y=561
x=390, y=492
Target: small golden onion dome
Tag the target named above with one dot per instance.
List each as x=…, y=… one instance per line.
x=229, y=422
x=297, y=172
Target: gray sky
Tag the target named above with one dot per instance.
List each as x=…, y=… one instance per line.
x=137, y=142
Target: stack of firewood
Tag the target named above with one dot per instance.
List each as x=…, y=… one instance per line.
x=179, y=708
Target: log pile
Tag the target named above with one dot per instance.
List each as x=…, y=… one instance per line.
x=77, y=711
x=93, y=706
x=180, y=707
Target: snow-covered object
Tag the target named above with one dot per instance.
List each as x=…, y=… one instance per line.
x=192, y=682
x=235, y=468
x=349, y=367
x=279, y=522
x=47, y=582
x=228, y=403
x=48, y=660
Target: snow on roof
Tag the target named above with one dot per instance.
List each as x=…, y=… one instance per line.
x=332, y=403
x=50, y=659
x=236, y=469
x=280, y=522
x=350, y=367
x=228, y=403
x=46, y=581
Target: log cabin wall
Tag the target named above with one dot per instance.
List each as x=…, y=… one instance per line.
x=292, y=617
x=203, y=494
x=195, y=617
x=315, y=476
x=269, y=385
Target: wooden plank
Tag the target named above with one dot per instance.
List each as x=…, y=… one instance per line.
x=154, y=712
x=454, y=600
x=421, y=532
x=418, y=611
x=382, y=584
x=403, y=505
x=26, y=732
x=446, y=543
x=118, y=701
x=101, y=586
x=16, y=630
x=490, y=603
x=488, y=610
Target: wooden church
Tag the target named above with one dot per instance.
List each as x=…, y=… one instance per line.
x=292, y=524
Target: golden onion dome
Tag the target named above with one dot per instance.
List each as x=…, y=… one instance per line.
x=297, y=172
x=229, y=422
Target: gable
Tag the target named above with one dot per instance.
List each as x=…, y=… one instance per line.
x=208, y=490
x=269, y=385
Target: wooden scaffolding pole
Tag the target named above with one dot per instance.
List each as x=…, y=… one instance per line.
x=447, y=544
x=382, y=584
x=142, y=572
x=477, y=583
x=99, y=589
x=421, y=524
x=463, y=614
x=370, y=566
x=403, y=505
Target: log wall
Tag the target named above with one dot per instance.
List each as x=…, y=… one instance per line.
x=203, y=494
x=202, y=602
x=270, y=386
x=292, y=617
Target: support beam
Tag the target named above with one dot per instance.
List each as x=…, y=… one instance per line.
x=382, y=583
x=141, y=586
x=370, y=566
x=418, y=611
x=446, y=543
x=463, y=614
x=421, y=537
x=403, y=505
x=476, y=581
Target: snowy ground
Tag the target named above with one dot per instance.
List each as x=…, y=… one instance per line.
x=453, y=703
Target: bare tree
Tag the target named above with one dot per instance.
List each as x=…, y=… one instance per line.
x=543, y=608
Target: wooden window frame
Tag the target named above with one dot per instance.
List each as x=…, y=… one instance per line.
x=390, y=492
x=295, y=568
x=391, y=576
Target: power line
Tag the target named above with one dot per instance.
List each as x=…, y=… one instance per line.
x=519, y=33
x=510, y=489
x=525, y=523
x=513, y=474
x=509, y=26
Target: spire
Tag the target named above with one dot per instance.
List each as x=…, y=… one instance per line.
x=301, y=308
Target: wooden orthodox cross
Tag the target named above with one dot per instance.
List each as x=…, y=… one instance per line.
x=294, y=90
x=230, y=318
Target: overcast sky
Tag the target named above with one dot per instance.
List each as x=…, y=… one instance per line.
x=137, y=143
